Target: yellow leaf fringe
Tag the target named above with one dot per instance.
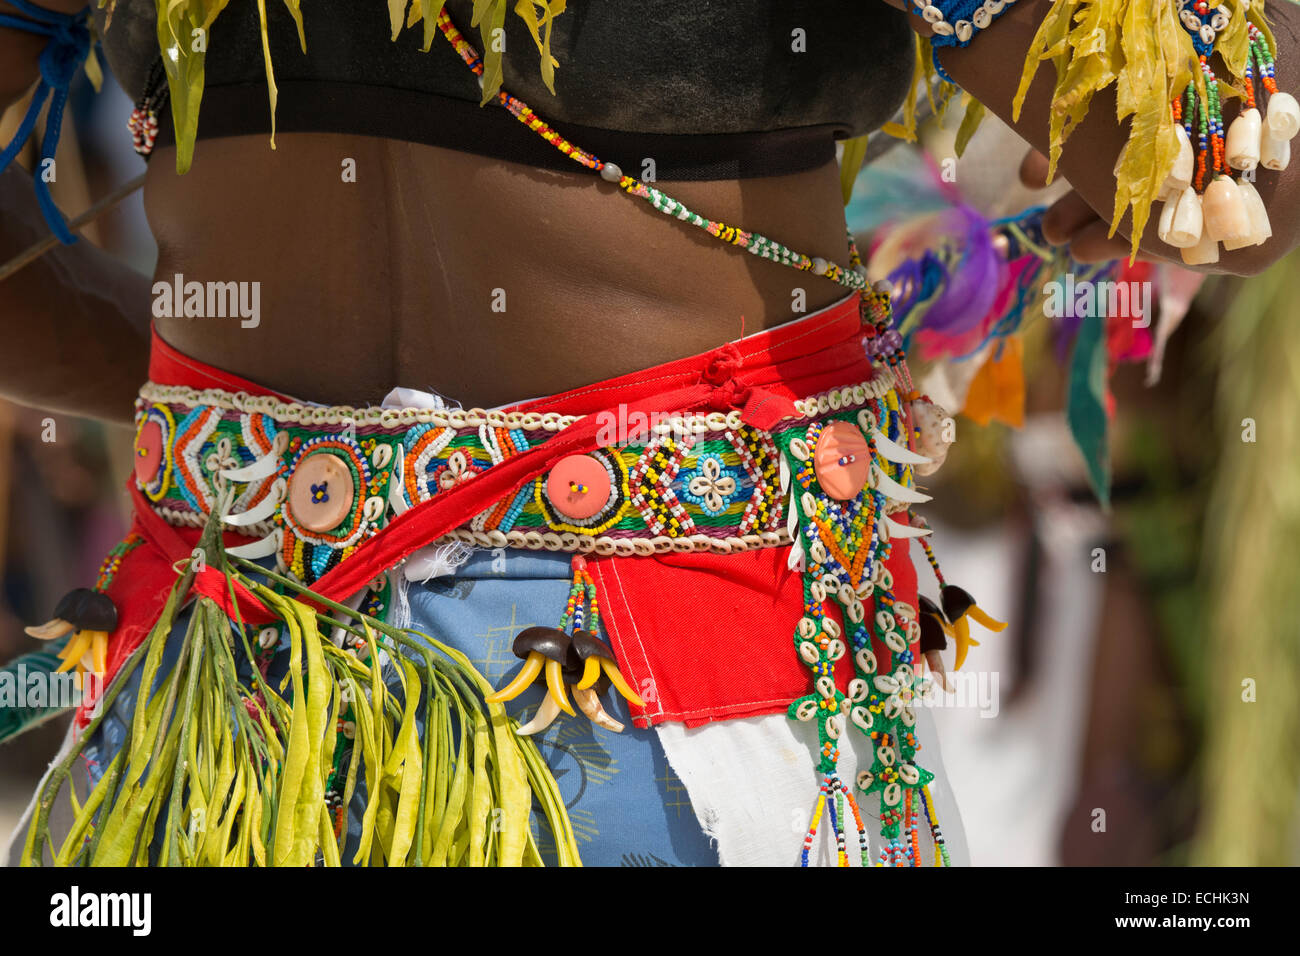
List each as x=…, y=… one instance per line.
x=183, y=27
x=219, y=769
x=1139, y=46
x=924, y=78
x=855, y=152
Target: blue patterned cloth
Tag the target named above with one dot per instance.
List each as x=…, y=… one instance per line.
x=627, y=806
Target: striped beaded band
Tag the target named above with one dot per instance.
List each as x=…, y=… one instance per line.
x=699, y=482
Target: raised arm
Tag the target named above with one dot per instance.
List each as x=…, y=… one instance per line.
x=989, y=68
x=74, y=323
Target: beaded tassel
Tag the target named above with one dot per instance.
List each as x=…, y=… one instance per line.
x=814, y=823
x=846, y=553
x=934, y=562
x=1209, y=126
x=582, y=602
x=1211, y=205
x=864, y=851
x=1263, y=58
x=833, y=798
x=913, y=843
x=936, y=834
x=143, y=122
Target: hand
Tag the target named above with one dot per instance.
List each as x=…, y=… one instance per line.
x=1071, y=221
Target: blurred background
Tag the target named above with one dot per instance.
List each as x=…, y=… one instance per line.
x=1160, y=691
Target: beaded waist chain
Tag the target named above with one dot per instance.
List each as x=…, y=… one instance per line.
x=311, y=483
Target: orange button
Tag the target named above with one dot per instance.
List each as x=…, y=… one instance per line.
x=148, y=452
x=843, y=460
x=578, y=487
x=321, y=492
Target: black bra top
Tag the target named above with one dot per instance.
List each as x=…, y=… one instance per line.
x=707, y=89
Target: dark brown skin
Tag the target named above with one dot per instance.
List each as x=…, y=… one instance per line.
x=389, y=280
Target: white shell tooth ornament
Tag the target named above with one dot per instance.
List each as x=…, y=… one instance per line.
x=1283, y=116
x=396, y=498
x=1243, y=142
x=1180, y=220
x=261, y=548
x=1224, y=211
x=1180, y=177
x=896, y=453
x=263, y=467
x=1260, y=228
x=1274, y=154
x=896, y=530
x=589, y=704
x=891, y=489
x=544, y=717
x=1205, y=252
x=261, y=511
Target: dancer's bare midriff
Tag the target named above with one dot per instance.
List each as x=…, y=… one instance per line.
x=482, y=280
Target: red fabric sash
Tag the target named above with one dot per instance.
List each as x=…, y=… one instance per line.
x=701, y=636
x=761, y=376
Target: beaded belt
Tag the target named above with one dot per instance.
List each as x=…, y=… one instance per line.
x=310, y=483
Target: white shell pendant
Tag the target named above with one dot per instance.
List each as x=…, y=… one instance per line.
x=1274, y=153
x=1283, y=116
x=1242, y=144
x=1180, y=220
x=397, y=500
x=1223, y=211
x=1260, y=228
x=263, y=467
x=1203, y=253
x=262, y=548
x=261, y=511
x=929, y=423
x=1180, y=176
x=795, y=561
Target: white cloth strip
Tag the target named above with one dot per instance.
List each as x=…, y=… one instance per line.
x=753, y=785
